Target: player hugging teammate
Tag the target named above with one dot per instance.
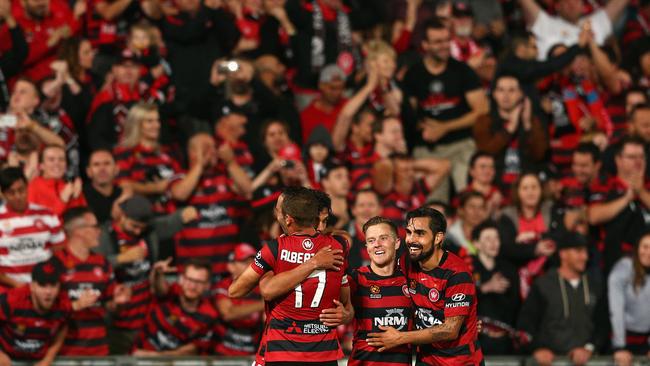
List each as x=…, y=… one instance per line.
x=425, y=298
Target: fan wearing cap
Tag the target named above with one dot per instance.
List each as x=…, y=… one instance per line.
x=565, y=312
x=240, y=330
x=463, y=46
x=216, y=185
x=324, y=110
x=34, y=318
x=131, y=244
x=108, y=110
x=181, y=318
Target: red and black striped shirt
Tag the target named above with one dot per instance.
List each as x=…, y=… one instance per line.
x=26, y=334
x=169, y=326
x=135, y=275
x=360, y=162
x=215, y=234
x=379, y=301
x=294, y=332
x=239, y=337
x=446, y=291
x=87, y=329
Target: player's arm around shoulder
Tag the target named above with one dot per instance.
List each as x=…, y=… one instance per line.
x=391, y=337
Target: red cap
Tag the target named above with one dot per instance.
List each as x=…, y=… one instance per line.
x=290, y=152
x=242, y=252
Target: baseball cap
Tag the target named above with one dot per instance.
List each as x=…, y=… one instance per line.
x=331, y=73
x=128, y=55
x=137, y=208
x=242, y=252
x=565, y=239
x=47, y=272
x=290, y=152
x=462, y=9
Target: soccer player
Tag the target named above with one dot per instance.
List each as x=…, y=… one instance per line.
x=444, y=296
x=308, y=279
x=181, y=319
x=380, y=296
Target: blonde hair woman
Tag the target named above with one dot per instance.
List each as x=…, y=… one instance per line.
x=144, y=165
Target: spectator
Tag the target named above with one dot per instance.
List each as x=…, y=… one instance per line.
x=108, y=111
x=229, y=130
x=523, y=227
x=366, y=205
x=449, y=99
x=47, y=23
x=12, y=60
x=353, y=139
x=324, y=109
x=639, y=127
x=22, y=129
x=471, y=212
x=386, y=97
x=637, y=27
x=629, y=287
x=101, y=192
x=240, y=331
x=565, y=311
x=51, y=188
x=177, y=308
x=336, y=183
x=620, y=203
x=215, y=190
x=87, y=275
x=31, y=231
x=318, y=152
x=585, y=171
x=34, y=318
x=463, y=47
x=144, y=165
x=497, y=285
x=130, y=243
x=481, y=179
x=512, y=132
x=564, y=28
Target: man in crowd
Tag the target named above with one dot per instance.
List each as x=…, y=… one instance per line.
x=366, y=205
x=380, y=295
x=444, y=297
x=585, y=169
x=324, y=110
x=101, y=192
x=240, y=330
x=34, y=318
x=448, y=98
x=87, y=274
x=29, y=232
x=336, y=183
x=564, y=311
x=181, y=319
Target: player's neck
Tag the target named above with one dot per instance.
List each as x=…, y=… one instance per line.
x=433, y=261
x=302, y=231
x=386, y=270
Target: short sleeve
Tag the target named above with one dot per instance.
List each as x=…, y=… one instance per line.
x=265, y=258
x=459, y=295
x=470, y=79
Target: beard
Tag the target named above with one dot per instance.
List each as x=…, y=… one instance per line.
x=423, y=256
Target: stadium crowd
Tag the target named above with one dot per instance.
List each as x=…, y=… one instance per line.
x=148, y=141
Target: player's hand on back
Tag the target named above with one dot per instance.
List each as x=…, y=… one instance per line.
x=333, y=317
x=328, y=259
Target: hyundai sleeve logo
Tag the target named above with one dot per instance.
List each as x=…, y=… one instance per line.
x=458, y=297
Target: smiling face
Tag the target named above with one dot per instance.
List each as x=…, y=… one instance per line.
x=381, y=244
x=420, y=240
x=53, y=164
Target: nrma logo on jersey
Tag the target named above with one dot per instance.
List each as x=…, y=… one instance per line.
x=394, y=318
x=425, y=318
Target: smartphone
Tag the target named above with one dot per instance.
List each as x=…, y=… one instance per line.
x=226, y=67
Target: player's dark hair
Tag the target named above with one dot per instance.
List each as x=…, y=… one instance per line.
x=324, y=200
x=301, y=204
x=437, y=221
x=378, y=220
x=487, y=224
x=434, y=23
x=9, y=176
x=589, y=148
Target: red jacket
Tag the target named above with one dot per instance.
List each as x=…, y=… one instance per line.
x=45, y=192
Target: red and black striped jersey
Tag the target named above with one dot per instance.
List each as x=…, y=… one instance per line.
x=446, y=291
x=215, y=234
x=239, y=337
x=135, y=275
x=294, y=331
x=143, y=164
x=359, y=163
x=169, y=326
x=26, y=334
x=379, y=301
x=574, y=193
x=87, y=328
x=27, y=238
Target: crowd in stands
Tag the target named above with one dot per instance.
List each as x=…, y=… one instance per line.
x=144, y=138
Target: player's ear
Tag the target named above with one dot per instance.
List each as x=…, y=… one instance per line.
x=439, y=238
x=398, y=242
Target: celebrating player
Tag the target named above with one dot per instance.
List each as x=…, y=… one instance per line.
x=444, y=296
